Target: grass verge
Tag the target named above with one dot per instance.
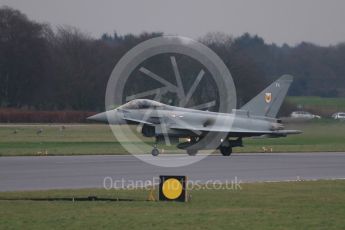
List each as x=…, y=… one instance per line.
x=39, y=139
x=283, y=205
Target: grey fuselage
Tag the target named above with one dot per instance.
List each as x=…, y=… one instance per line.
x=185, y=122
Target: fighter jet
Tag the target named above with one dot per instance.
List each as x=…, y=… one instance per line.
x=206, y=129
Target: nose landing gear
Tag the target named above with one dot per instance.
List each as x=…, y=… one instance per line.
x=155, y=151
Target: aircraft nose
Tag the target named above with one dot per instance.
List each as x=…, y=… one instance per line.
x=111, y=116
x=102, y=117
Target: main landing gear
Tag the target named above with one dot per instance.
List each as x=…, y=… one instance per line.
x=227, y=145
x=192, y=141
x=225, y=150
x=192, y=152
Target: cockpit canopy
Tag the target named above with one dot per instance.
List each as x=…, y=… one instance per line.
x=141, y=104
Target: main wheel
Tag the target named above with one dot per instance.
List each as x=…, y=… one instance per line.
x=226, y=151
x=155, y=152
x=192, y=152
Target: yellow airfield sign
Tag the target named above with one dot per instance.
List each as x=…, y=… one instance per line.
x=173, y=188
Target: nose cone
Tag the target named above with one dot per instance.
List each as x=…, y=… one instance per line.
x=101, y=117
x=111, y=117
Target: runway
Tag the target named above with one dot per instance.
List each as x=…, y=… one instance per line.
x=57, y=172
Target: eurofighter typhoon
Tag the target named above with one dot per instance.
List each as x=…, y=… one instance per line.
x=205, y=129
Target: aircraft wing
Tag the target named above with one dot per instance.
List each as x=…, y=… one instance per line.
x=237, y=131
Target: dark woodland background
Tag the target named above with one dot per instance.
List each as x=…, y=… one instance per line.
x=45, y=68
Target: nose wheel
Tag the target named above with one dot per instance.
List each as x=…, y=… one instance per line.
x=155, y=152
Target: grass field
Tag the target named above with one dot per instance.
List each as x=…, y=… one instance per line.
x=39, y=139
x=318, y=105
x=318, y=136
x=283, y=205
x=338, y=103
x=23, y=139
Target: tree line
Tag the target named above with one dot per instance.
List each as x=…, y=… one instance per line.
x=62, y=68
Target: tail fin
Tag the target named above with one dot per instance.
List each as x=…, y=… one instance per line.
x=268, y=102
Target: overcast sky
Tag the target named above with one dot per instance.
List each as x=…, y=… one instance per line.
x=290, y=21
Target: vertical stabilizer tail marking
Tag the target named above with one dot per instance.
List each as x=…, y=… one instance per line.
x=268, y=102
